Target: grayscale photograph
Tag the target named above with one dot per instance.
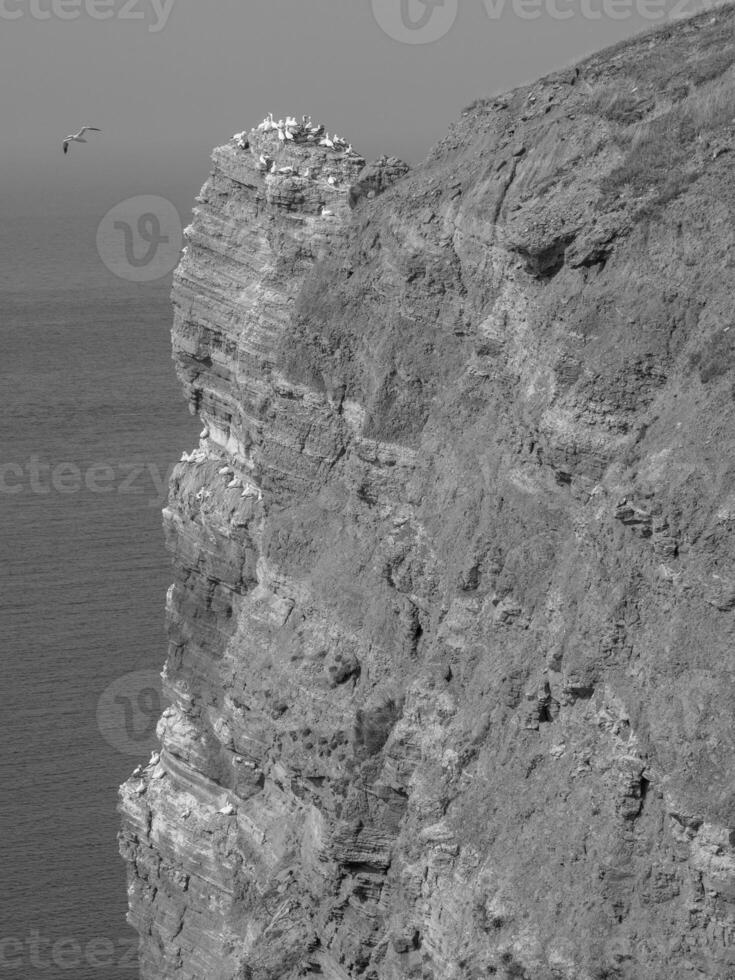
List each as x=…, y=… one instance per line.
x=367, y=509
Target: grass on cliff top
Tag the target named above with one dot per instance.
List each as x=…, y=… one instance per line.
x=662, y=150
x=669, y=58
x=664, y=96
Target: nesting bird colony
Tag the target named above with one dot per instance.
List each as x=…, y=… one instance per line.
x=291, y=130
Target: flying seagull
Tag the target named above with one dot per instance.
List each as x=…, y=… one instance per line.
x=79, y=137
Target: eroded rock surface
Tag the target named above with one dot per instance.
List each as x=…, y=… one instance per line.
x=451, y=637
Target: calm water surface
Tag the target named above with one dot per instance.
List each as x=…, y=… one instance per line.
x=87, y=381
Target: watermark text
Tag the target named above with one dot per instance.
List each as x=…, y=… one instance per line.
x=38, y=477
x=42, y=953
x=427, y=21
x=155, y=13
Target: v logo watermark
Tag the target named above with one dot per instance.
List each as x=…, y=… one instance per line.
x=149, y=230
x=424, y=16
x=140, y=239
x=415, y=21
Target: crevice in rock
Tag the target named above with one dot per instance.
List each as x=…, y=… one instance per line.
x=548, y=261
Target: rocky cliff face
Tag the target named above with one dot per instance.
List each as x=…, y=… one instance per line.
x=451, y=657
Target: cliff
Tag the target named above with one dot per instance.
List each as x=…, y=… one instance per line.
x=451, y=662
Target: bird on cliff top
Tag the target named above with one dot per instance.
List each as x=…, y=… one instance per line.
x=267, y=124
x=326, y=141
x=79, y=137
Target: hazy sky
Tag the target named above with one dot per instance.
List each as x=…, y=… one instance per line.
x=169, y=79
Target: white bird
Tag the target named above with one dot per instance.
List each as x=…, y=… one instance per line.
x=331, y=180
x=79, y=137
x=326, y=213
x=326, y=141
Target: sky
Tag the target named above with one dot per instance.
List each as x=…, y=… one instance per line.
x=167, y=80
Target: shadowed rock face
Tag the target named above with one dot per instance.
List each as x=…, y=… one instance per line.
x=451, y=664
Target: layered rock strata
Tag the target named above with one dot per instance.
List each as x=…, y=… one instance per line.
x=451, y=658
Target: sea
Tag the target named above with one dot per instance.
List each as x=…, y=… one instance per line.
x=92, y=419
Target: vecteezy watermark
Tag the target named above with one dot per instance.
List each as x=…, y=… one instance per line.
x=424, y=21
x=594, y=10
x=155, y=12
x=43, y=954
x=37, y=477
x=415, y=21
x=128, y=712
x=140, y=239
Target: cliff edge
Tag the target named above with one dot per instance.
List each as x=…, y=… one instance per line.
x=451, y=662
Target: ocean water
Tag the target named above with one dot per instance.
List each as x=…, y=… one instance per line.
x=91, y=420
